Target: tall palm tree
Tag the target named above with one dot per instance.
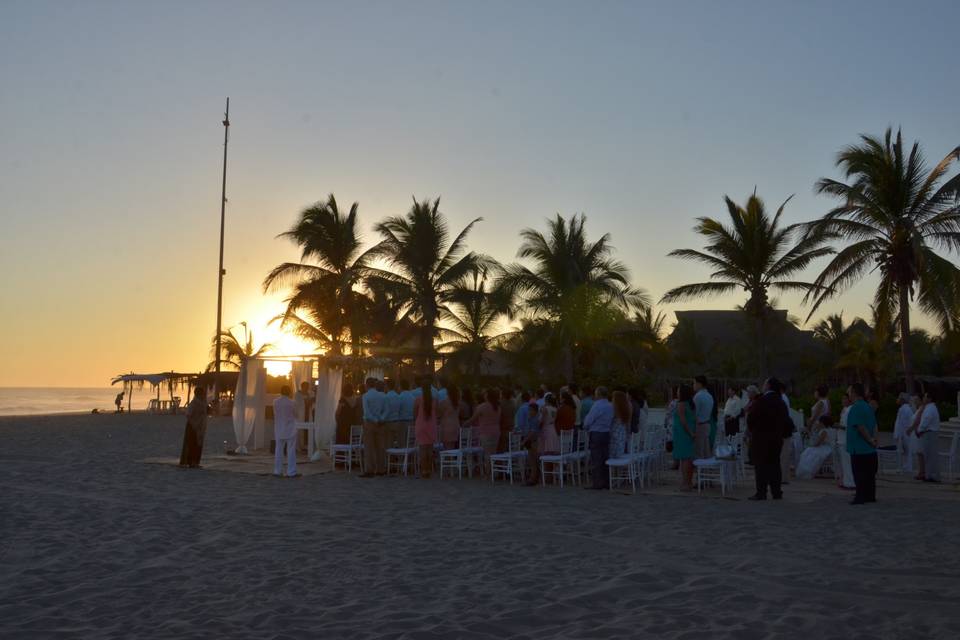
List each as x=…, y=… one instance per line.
x=572, y=281
x=234, y=349
x=425, y=266
x=327, y=290
x=476, y=308
x=754, y=253
x=894, y=216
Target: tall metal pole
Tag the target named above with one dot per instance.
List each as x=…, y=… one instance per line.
x=221, y=272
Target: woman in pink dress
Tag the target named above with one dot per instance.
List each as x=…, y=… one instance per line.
x=549, y=440
x=448, y=416
x=425, y=428
x=486, y=418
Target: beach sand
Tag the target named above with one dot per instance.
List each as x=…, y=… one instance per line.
x=96, y=543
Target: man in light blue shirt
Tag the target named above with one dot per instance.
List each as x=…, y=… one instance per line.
x=407, y=398
x=527, y=425
x=374, y=431
x=598, y=422
x=396, y=429
x=703, y=410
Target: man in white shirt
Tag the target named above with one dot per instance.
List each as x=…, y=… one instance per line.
x=900, y=427
x=284, y=433
x=928, y=430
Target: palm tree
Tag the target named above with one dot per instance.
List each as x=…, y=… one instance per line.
x=893, y=218
x=475, y=310
x=425, y=266
x=325, y=290
x=572, y=283
x=234, y=349
x=754, y=253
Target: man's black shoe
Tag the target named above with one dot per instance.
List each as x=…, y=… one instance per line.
x=757, y=497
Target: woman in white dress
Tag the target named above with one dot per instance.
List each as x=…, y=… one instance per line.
x=820, y=449
x=845, y=472
x=901, y=426
x=821, y=407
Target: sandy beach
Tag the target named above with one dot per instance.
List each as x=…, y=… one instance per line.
x=96, y=543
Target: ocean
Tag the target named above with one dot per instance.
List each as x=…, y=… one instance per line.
x=18, y=401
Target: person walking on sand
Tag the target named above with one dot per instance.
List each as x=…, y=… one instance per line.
x=862, y=445
x=285, y=433
x=767, y=421
x=119, y=402
x=195, y=430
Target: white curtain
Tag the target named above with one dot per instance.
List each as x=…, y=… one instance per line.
x=248, y=412
x=329, y=386
x=375, y=373
x=301, y=372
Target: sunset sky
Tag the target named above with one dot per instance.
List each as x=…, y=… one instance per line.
x=640, y=114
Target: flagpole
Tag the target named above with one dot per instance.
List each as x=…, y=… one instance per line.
x=220, y=271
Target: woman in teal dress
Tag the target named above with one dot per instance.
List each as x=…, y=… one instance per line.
x=684, y=425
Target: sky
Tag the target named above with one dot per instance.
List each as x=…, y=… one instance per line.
x=642, y=115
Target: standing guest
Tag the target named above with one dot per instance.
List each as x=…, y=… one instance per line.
x=119, y=402
x=284, y=433
x=425, y=410
x=820, y=408
x=549, y=439
x=669, y=416
x=862, y=445
x=407, y=398
x=448, y=417
x=621, y=426
x=467, y=404
x=750, y=395
x=768, y=421
x=901, y=427
x=195, y=429
x=374, y=431
x=346, y=414
x=703, y=407
x=927, y=427
x=527, y=426
x=786, y=451
x=395, y=427
x=684, y=435
x=598, y=422
x=508, y=409
x=566, y=412
x=637, y=411
x=486, y=419
x=574, y=390
x=845, y=473
x=586, y=402
x=732, y=411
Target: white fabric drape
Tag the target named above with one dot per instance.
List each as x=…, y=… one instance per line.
x=375, y=373
x=248, y=402
x=301, y=372
x=329, y=386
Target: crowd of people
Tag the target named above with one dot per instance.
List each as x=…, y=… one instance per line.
x=695, y=426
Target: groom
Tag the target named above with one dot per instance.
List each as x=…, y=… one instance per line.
x=767, y=422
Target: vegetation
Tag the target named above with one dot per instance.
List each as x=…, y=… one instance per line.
x=235, y=349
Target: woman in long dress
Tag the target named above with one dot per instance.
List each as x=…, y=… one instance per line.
x=622, y=414
x=820, y=449
x=684, y=428
x=821, y=407
x=845, y=472
x=448, y=418
x=549, y=439
x=425, y=427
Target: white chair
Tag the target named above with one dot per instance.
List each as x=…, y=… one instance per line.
x=649, y=460
x=948, y=459
x=580, y=456
x=626, y=467
x=560, y=463
x=345, y=454
x=458, y=459
x=509, y=462
x=888, y=461
x=713, y=470
x=399, y=457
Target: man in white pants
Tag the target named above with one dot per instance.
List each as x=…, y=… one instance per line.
x=285, y=433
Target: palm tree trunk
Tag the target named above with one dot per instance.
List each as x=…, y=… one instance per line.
x=906, y=353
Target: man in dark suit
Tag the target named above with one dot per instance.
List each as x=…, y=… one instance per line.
x=768, y=422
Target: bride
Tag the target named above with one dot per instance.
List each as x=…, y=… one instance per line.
x=821, y=448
